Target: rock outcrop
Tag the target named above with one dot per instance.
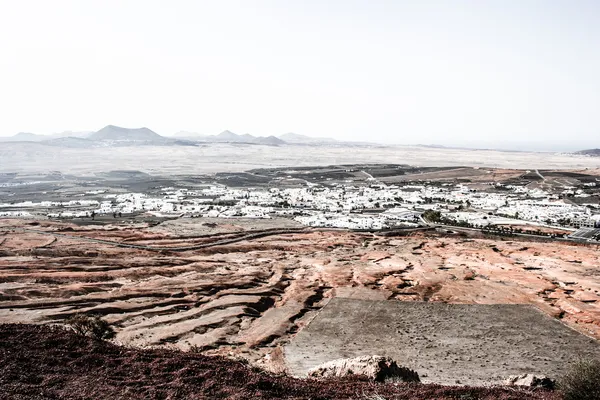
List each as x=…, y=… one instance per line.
x=376, y=368
x=530, y=380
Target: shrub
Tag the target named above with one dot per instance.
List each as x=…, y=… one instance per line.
x=92, y=326
x=582, y=381
x=195, y=349
x=432, y=216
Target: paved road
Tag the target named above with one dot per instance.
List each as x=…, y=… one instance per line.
x=585, y=233
x=245, y=236
x=526, y=235
x=369, y=176
x=464, y=229
x=540, y=175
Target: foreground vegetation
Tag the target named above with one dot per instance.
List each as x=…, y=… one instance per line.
x=44, y=362
x=582, y=382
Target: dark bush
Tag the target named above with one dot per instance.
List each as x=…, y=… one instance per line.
x=582, y=381
x=92, y=326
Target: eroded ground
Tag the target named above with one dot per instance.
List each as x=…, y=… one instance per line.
x=246, y=295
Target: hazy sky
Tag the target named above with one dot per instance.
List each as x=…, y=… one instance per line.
x=476, y=73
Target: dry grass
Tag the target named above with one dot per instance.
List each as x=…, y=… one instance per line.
x=582, y=382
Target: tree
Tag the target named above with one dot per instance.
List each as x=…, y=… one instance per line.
x=432, y=216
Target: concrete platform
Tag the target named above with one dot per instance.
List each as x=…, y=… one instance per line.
x=445, y=343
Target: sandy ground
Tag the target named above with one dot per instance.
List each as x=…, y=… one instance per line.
x=250, y=297
x=183, y=227
x=35, y=157
x=445, y=343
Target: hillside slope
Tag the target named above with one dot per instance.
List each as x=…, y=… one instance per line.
x=589, y=152
x=230, y=137
x=112, y=132
x=296, y=138
x=44, y=362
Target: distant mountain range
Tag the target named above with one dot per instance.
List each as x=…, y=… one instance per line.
x=34, y=137
x=589, y=152
x=112, y=135
x=108, y=136
x=111, y=132
x=303, y=139
x=230, y=137
x=115, y=136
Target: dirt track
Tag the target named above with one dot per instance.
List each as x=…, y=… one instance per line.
x=248, y=298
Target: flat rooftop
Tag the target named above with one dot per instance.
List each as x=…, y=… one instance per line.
x=445, y=343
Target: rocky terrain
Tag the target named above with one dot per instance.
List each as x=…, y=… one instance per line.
x=246, y=294
x=41, y=362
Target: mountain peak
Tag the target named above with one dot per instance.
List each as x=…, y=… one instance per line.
x=227, y=133
x=589, y=152
x=113, y=132
x=23, y=137
x=269, y=140
x=26, y=135
x=297, y=138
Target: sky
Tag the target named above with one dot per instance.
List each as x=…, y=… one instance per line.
x=514, y=74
